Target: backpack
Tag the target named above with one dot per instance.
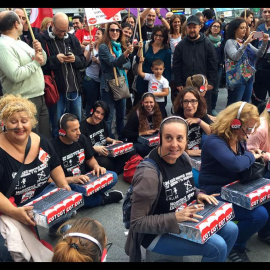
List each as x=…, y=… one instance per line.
x=126, y=208
x=130, y=167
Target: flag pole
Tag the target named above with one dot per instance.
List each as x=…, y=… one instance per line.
x=139, y=25
x=29, y=25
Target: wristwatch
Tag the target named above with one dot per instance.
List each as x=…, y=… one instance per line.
x=160, y=17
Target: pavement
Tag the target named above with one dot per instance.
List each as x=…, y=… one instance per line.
x=110, y=216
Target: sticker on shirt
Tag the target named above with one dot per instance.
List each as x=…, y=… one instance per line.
x=81, y=157
x=76, y=171
x=43, y=156
x=154, y=86
x=27, y=196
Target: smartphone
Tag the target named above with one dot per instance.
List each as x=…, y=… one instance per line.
x=68, y=54
x=258, y=35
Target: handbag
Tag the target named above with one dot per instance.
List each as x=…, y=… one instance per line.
x=254, y=172
x=238, y=72
x=51, y=93
x=130, y=167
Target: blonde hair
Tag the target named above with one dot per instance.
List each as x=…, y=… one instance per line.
x=10, y=104
x=86, y=250
x=196, y=80
x=44, y=23
x=266, y=115
x=222, y=125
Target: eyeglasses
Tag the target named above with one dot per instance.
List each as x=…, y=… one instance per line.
x=156, y=35
x=58, y=30
x=216, y=26
x=266, y=11
x=114, y=30
x=192, y=101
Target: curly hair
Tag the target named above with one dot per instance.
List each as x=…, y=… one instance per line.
x=86, y=250
x=178, y=101
x=165, y=33
x=222, y=125
x=232, y=27
x=142, y=114
x=10, y=104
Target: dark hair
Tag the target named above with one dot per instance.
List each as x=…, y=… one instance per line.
x=62, y=123
x=209, y=31
x=8, y=20
x=78, y=17
x=103, y=105
x=208, y=13
x=127, y=25
x=164, y=31
x=124, y=19
x=157, y=62
x=178, y=101
x=173, y=17
x=232, y=27
x=248, y=12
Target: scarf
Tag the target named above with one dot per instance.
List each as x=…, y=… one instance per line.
x=215, y=40
x=116, y=46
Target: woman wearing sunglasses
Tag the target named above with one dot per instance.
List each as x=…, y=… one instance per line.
x=114, y=53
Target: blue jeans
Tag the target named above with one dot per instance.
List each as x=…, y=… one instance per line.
x=216, y=249
x=118, y=107
x=214, y=97
x=96, y=198
x=71, y=105
x=91, y=90
x=241, y=93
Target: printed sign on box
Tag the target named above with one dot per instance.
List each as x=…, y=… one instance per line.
x=119, y=149
x=54, y=206
x=214, y=218
x=149, y=140
x=249, y=195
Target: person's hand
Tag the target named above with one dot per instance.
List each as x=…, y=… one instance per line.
x=208, y=198
x=66, y=187
x=250, y=38
x=24, y=215
x=266, y=156
x=179, y=88
x=37, y=46
x=91, y=46
x=157, y=11
x=101, y=150
x=194, y=152
x=192, y=120
x=69, y=58
x=61, y=57
x=129, y=50
x=141, y=59
x=39, y=57
x=98, y=170
x=85, y=43
x=81, y=179
x=189, y=213
x=116, y=141
x=265, y=37
x=210, y=87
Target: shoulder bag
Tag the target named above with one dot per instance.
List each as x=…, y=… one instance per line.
x=51, y=93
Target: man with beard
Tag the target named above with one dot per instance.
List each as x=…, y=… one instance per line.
x=195, y=54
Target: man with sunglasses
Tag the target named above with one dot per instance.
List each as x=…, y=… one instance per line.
x=261, y=84
x=65, y=59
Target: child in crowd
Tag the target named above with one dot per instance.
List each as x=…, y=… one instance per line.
x=158, y=85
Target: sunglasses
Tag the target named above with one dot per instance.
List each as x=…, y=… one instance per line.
x=114, y=30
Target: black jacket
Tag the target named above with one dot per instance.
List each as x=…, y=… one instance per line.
x=195, y=57
x=54, y=64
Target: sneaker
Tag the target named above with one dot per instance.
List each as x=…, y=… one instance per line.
x=214, y=112
x=112, y=196
x=237, y=255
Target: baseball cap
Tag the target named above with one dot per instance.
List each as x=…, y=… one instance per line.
x=193, y=19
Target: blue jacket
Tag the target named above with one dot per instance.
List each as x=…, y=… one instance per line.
x=107, y=62
x=220, y=165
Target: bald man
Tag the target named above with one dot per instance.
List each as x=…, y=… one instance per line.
x=65, y=59
x=20, y=67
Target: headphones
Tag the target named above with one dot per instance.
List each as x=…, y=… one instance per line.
x=103, y=105
x=237, y=123
x=92, y=239
x=3, y=127
x=168, y=118
x=52, y=36
x=202, y=88
x=61, y=131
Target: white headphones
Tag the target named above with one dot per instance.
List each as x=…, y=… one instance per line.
x=52, y=36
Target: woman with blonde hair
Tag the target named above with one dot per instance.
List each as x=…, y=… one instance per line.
x=224, y=157
x=84, y=240
x=46, y=22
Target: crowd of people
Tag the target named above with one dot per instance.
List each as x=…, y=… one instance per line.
x=185, y=57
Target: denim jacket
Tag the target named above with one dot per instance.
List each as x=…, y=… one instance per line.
x=107, y=62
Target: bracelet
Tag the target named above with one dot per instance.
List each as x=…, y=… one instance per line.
x=199, y=122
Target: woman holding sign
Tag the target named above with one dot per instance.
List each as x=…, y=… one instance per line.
x=162, y=192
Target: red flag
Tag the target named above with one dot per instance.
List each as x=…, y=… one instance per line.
x=38, y=14
x=110, y=12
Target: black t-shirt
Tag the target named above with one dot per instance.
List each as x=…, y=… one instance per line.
x=178, y=187
x=146, y=32
x=96, y=134
x=195, y=133
x=73, y=156
x=35, y=175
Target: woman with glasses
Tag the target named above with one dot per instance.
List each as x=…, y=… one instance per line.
x=215, y=36
x=158, y=49
x=224, y=156
x=192, y=107
x=114, y=53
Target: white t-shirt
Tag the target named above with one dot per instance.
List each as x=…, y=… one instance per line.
x=155, y=85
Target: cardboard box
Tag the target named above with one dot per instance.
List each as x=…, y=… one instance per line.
x=95, y=184
x=54, y=206
x=249, y=195
x=195, y=162
x=119, y=149
x=214, y=218
x=149, y=140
